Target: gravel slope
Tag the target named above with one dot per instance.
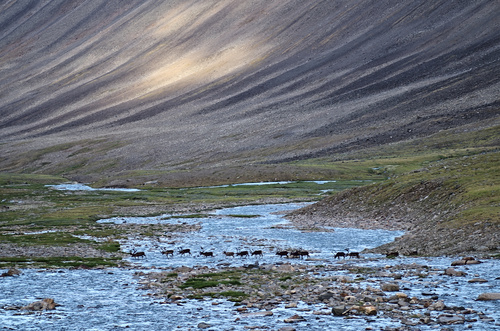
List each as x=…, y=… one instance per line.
x=188, y=84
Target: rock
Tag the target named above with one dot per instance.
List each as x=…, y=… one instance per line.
x=11, y=272
x=389, y=287
x=350, y=298
x=326, y=296
x=369, y=310
x=439, y=305
x=176, y=297
x=339, y=310
x=203, y=325
x=488, y=296
x=478, y=280
x=291, y=305
x=473, y=262
x=453, y=272
x=12, y=307
x=285, y=268
x=45, y=304
x=344, y=279
x=465, y=261
x=450, y=319
x=286, y=328
x=458, y=262
x=258, y=314
x=294, y=319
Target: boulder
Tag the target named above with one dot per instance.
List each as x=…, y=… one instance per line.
x=369, y=310
x=465, y=261
x=478, y=280
x=286, y=328
x=488, y=296
x=285, y=268
x=453, y=272
x=339, y=310
x=438, y=305
x=258, y=314
x=203, y=325
x=326, y=296
x=45, y=304
x=389, y=287
x=450, y=319
x=176, y=297
x=294, y=319
x=11, y=272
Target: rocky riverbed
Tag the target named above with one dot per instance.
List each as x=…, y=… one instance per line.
x=408, y=296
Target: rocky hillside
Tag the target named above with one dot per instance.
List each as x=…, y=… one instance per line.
x=106, y=88
x=450, y=207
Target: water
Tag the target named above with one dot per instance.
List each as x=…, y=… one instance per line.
x=110, y=299
x=83, y=187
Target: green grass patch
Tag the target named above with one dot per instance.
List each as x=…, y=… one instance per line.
x=112, y=246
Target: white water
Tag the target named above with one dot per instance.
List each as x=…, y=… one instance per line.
x=109, y=299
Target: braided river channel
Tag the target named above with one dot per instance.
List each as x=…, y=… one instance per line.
x=114, y=299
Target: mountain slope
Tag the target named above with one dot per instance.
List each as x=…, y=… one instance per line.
x=95, y=88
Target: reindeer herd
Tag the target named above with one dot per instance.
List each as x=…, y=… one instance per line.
x=295, y=253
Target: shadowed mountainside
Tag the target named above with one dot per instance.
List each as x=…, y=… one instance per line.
x=99, y=87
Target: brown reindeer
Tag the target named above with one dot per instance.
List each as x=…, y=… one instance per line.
x=228, y=254
x=303, y=254
x=135, y=253
x=299, y=254
x=257, y=253
x=167, y=252
x=351, y=254
x=339, y=255
x=184, y=251
x=282, y=253
x=242, y=254
x=206, y=253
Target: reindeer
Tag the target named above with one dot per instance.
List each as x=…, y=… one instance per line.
x=257, y=253
x=303, y=254
x=167, y=252
x=299, y=254
x=352, y=254
x=228, y=254
x=282, y=253
x=205, y=253
x=242, y=254
x=339, y=255
x=135, y=253
x=184, y=251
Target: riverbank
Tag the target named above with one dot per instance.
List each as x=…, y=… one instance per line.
x=404, y=294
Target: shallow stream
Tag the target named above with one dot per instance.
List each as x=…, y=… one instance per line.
x=110, y=299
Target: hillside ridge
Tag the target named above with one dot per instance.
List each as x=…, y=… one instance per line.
x=95, y=88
